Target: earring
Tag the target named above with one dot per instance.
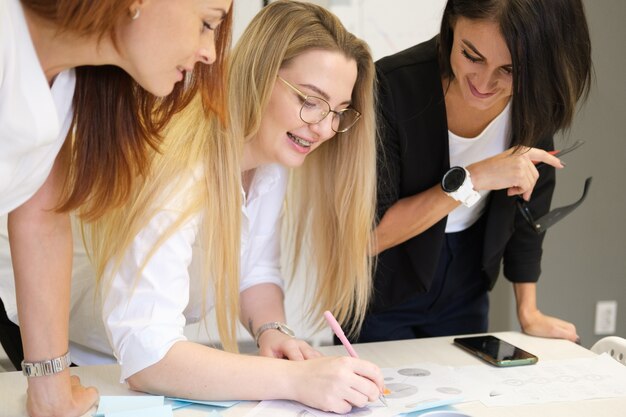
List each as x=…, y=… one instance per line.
x=136, y=15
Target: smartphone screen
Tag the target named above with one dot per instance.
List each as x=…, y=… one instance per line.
x=495, y=351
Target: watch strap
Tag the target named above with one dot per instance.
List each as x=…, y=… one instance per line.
x=273, y=325
x=466, y=194
x=47, y=367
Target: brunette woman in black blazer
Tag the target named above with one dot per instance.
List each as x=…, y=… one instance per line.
x=486, y=95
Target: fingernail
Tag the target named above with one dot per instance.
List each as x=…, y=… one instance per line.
x=562, y=163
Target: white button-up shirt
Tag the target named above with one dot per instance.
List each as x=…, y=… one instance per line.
x=144, y=317
x=34, y=117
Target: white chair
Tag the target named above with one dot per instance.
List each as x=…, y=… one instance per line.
x=614, y=346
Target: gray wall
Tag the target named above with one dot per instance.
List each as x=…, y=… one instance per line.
x=585, y=254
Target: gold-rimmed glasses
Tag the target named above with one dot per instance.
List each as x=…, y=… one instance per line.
x=315, y=109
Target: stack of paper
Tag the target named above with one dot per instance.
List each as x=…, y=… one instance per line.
x=549, y=381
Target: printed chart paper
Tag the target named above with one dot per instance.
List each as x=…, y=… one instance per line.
x=413, y=388
x=550, y=381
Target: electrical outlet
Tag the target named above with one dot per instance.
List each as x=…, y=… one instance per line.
x=606, y=317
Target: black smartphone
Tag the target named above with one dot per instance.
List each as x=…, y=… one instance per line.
x=495, y=351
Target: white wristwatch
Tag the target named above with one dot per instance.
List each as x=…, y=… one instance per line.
x=49, y=367
x=281, y=327
x=457, y=183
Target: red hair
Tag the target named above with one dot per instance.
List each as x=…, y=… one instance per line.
x=116, y=122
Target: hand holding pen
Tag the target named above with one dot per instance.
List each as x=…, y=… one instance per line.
x=334, y=325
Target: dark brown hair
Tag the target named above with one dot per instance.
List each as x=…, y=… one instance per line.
x=551, y=53
x=116, y=122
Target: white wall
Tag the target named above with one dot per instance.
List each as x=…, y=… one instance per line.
x=390, y=26
x=387, y=26
x=244, y=11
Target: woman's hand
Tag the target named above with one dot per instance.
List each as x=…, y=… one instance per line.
x=512, y=169
x=336, y=384
x=535, y=323
x=59, y=395
x=275, y=344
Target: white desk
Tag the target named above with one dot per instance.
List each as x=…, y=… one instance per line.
x=387, y=354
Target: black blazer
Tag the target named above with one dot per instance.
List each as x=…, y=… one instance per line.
x=413, y=156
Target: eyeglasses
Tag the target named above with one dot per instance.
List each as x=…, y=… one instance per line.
x=544, y=222
x=315, y=109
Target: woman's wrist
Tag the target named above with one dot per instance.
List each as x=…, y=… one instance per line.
x=46, y=367
x=49, y=392
x=526, y=312
x=474, y=170
x=273, y=325
x=525, y=297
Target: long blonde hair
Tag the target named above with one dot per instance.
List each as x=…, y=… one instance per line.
x=331, y=198
x=192, y=143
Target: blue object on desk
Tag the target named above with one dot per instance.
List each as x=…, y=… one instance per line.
x=176, y=404
x=222, y=404
x=113, y=404
x=438, y=411
x=159, y=411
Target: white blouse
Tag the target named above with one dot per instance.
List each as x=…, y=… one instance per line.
x=34, y=117
x=143, y=318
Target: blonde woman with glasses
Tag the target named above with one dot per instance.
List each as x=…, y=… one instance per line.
x=300, y=130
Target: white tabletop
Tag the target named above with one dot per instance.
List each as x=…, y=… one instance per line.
x=386, y=354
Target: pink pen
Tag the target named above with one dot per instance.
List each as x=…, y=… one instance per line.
x=334, y=325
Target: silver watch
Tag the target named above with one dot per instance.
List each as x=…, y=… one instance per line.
x=273, y=325
x=49, y=367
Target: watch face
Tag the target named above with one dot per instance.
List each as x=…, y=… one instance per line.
x=453, y=179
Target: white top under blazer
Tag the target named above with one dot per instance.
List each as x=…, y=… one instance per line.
x=493, y=140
